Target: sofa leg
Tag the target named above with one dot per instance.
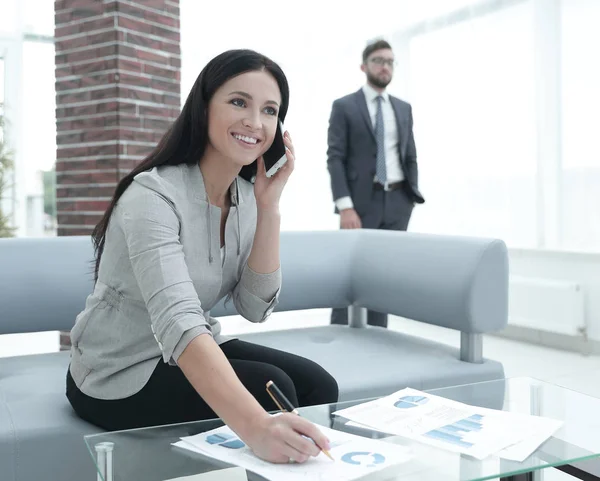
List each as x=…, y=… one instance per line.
x=357, y=317
x=471, y=347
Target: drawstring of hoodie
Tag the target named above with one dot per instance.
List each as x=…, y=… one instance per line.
x=237, y=211
x=209, y=221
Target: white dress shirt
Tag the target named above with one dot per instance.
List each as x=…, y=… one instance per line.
x=392, y=162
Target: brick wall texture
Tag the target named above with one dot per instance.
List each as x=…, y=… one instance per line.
x=118, y=69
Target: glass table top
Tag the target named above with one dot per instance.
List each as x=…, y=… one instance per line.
x=147, y=454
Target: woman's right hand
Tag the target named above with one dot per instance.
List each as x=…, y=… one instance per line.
x=282, y=439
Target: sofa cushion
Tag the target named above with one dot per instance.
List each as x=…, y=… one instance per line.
x=362, y=360
x=40, y=435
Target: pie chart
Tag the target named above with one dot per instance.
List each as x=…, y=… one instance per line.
x=363, y=458
x=407, y=402
x=225, y=440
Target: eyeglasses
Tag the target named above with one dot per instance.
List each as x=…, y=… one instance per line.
x=390, y=62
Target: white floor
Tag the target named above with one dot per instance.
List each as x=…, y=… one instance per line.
x=568, y=369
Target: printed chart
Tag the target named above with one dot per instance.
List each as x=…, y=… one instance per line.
x=355, y=457
x=408, y=402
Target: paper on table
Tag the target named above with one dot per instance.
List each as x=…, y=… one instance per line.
x=355, y=457
x=521, y=451
x=444, y=423
x=227, y=474
x=517, y=452
x=364, y=426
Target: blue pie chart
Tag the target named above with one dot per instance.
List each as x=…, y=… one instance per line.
x=363, y=458
x=408, y=402
x=225, y=440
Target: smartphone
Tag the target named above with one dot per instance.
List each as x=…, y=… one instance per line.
x=274, y=158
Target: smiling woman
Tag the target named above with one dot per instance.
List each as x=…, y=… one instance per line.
x=145, y=350
x=241, y=125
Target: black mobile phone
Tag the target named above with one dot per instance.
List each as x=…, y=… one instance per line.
x=275, y=158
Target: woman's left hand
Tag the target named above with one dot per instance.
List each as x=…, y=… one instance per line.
x=267, y=190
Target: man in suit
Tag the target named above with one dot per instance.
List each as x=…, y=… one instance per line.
x=372, y=158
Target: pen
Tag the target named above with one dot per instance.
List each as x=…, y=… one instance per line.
x=284, y=404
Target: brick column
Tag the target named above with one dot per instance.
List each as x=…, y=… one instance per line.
x=117, y=89
x=118, y=68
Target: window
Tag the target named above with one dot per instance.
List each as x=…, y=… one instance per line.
x=322, y=62
x=5, y=194
x=1, y=81
x=488, y=152
x=472, y=91
x=8, y=17
x=38, y=16
x=580, y=186
x=39, y=105
x=39, y=108
x=27, y=27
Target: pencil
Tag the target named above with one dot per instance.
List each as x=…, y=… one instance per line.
x=284, y=404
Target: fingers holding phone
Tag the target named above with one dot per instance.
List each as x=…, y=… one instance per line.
x=290, y=154
x=274, y=169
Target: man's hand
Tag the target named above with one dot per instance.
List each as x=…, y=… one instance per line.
x=349, y=219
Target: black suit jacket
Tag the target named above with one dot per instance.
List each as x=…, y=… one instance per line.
x=352, y=149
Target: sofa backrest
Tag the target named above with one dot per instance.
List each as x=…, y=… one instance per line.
x=44, y=282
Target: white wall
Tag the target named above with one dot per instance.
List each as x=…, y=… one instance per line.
x=319, y=46
x=571, y=266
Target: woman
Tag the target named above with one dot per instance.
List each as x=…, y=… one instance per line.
x=145, y=350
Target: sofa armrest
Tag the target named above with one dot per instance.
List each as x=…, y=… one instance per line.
x=455, y=282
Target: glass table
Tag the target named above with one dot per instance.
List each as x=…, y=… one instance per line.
x=147, y=454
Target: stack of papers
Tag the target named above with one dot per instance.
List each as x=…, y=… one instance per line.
x=355, y=457
x=458, y=427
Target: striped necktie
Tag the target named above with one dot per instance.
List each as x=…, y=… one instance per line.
x=380, y=138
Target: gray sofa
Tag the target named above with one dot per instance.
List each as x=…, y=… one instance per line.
x=455, y=282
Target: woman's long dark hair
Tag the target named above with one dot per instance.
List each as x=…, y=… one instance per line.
x=186, y=140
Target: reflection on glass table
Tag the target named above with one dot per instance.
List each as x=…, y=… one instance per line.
x=148, y=454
